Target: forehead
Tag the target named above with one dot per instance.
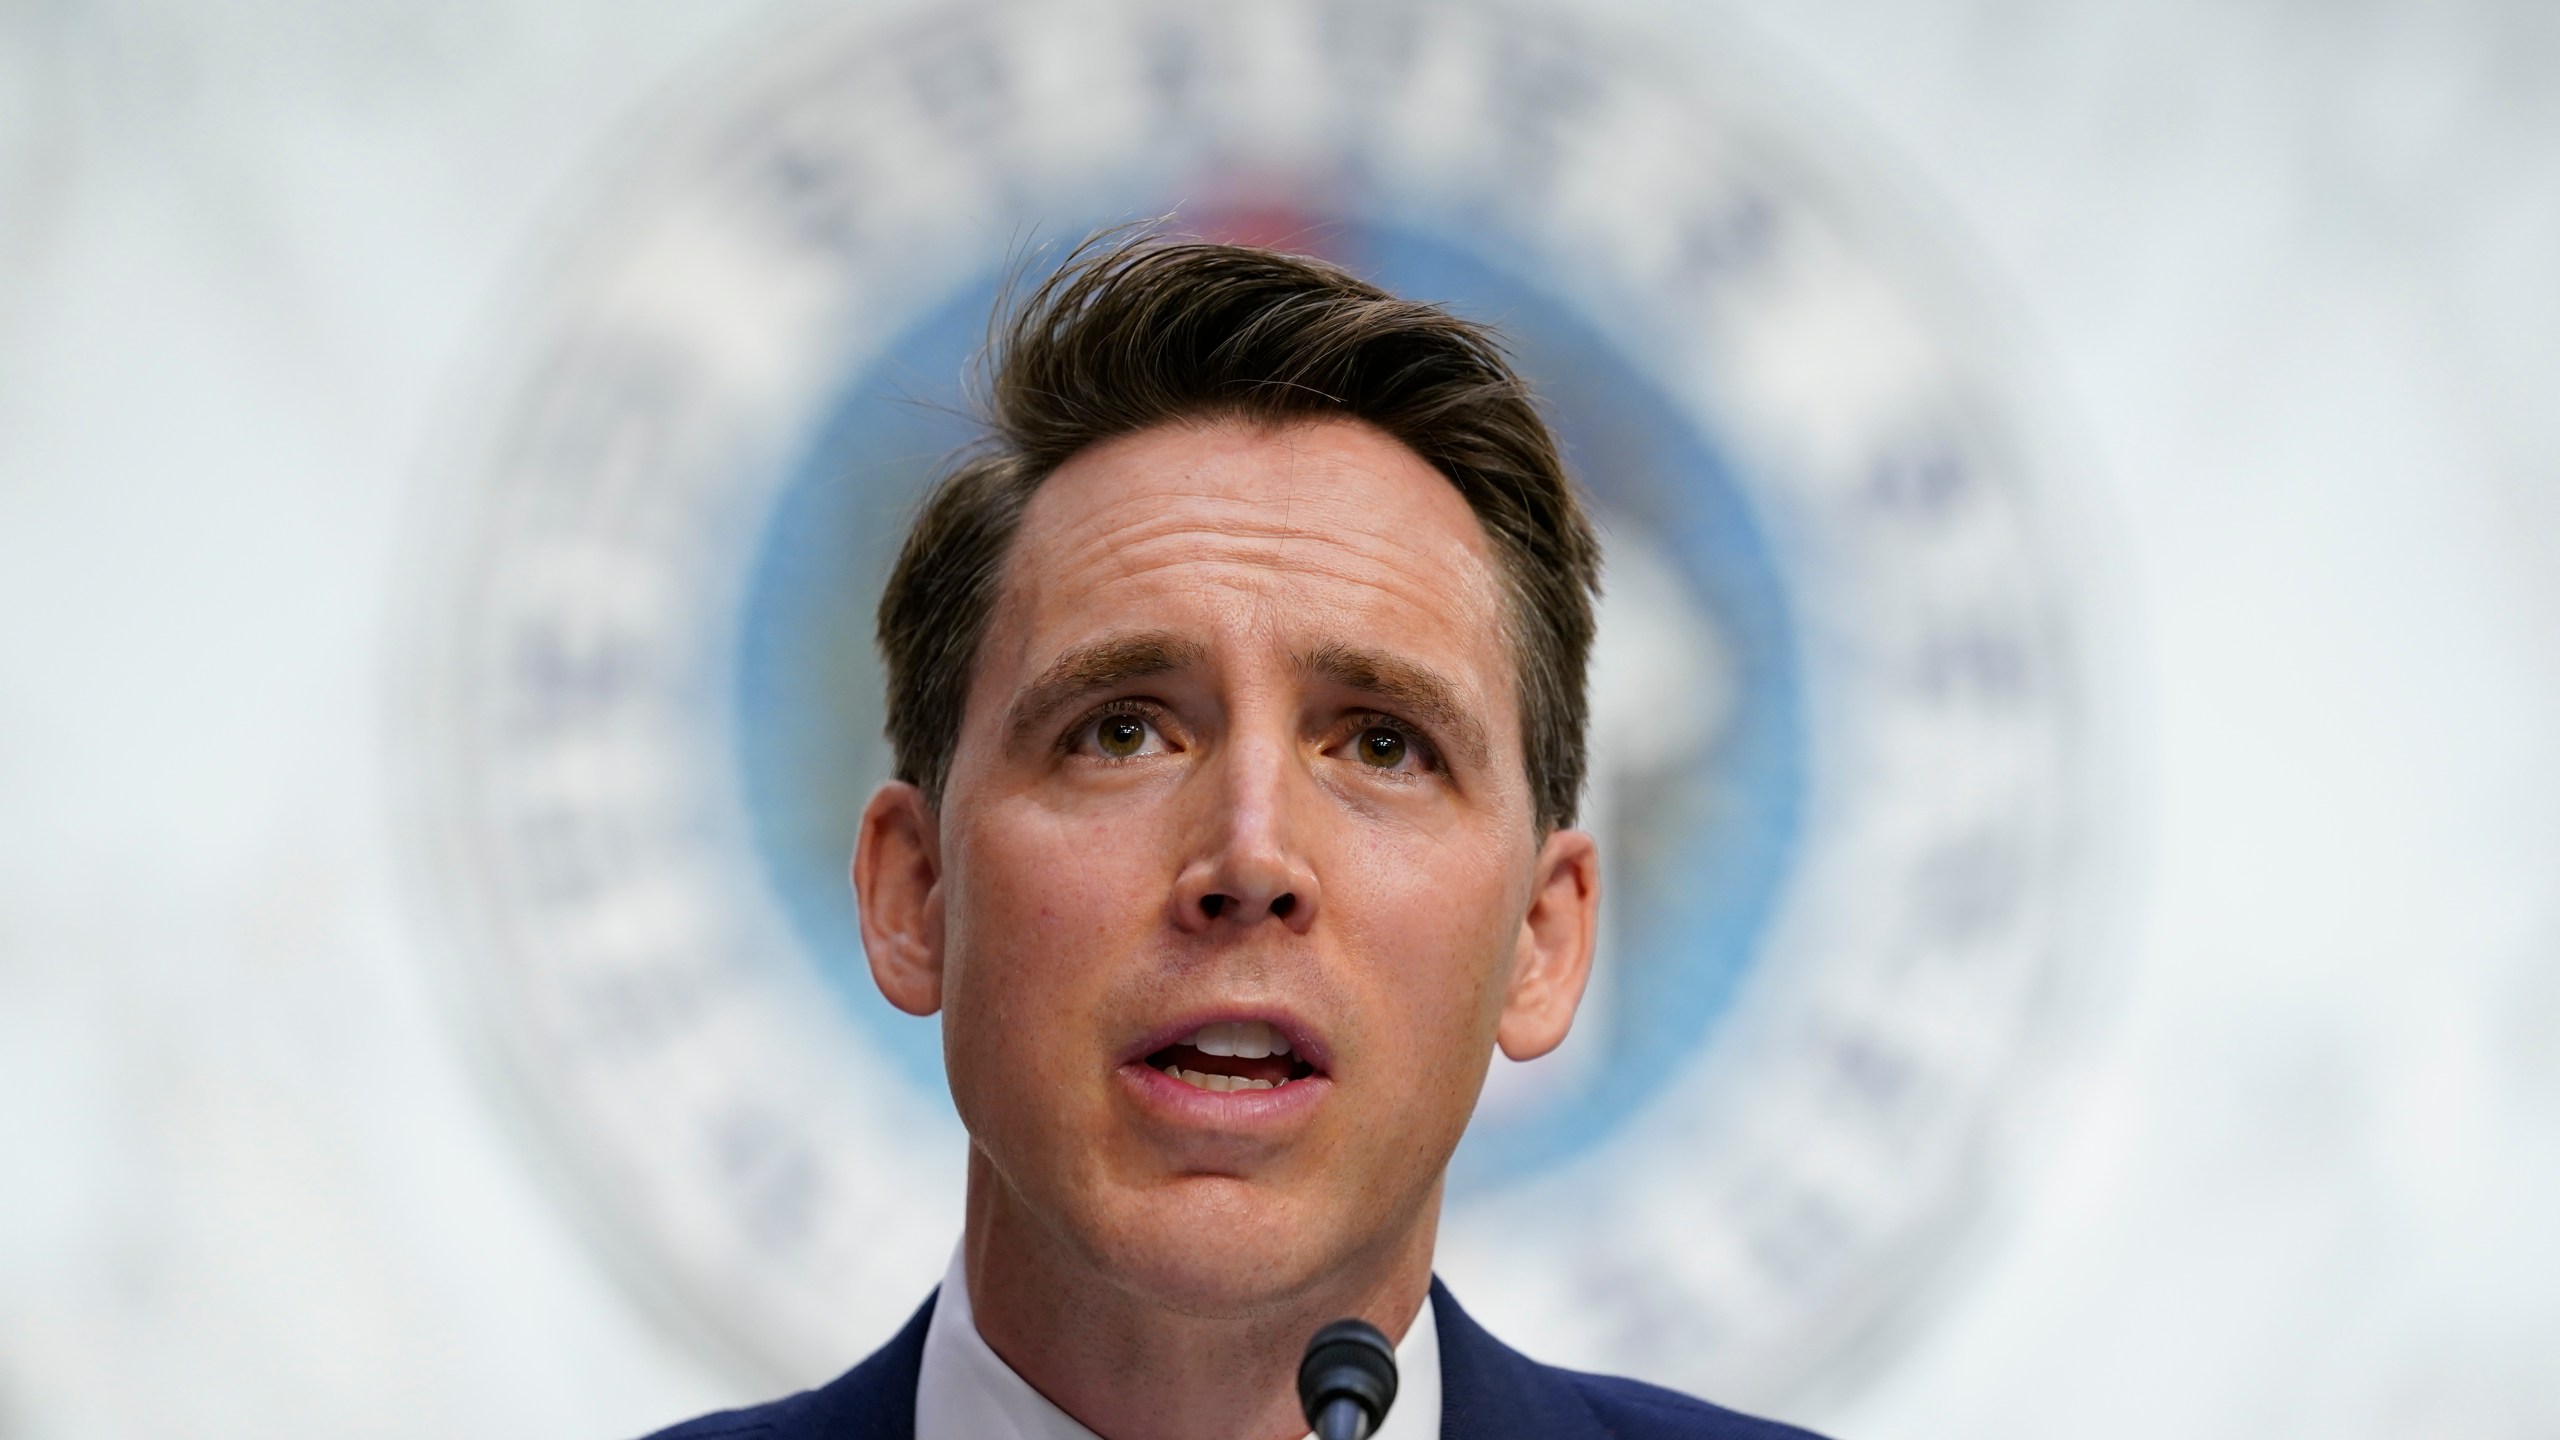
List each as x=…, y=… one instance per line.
x=1307, y=533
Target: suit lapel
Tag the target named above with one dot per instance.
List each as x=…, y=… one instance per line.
x=1489, y=1391
x=875, y=1400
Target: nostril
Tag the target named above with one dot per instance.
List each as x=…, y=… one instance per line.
x=1281, y=906
x=1213, y=905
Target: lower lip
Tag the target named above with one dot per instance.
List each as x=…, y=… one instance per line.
x=1224, y=1109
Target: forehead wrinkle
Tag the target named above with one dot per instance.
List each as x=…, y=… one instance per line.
x=1201, y=504
x=1128, y=549
x=1272, y=576
x=1112, y=533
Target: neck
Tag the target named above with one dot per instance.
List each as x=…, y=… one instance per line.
x=1130, y=1366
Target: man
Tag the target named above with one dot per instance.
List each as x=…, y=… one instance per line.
x=1236, y=690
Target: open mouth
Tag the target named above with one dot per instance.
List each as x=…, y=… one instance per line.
x=1232, y=1055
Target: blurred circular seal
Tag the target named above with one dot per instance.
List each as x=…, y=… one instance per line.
x=1839, y=772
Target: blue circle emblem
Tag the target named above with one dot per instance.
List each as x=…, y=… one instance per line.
x=1838, y=768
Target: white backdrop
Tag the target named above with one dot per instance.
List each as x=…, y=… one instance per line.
x=2288, y=273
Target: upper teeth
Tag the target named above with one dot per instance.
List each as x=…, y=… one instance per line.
x=1249, y=1039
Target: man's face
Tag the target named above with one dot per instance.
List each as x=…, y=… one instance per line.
x=1241, y=769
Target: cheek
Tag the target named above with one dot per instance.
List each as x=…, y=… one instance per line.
x=1434, y=922
x=1023, y=871
x=1035, y=905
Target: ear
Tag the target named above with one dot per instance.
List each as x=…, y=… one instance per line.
x=897, y=880
x=1552, y=962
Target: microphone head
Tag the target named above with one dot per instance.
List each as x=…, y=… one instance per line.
x=1349, y=1370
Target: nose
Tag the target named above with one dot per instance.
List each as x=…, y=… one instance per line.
x=1251, y=864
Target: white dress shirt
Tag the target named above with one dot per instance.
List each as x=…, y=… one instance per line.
x=965, y=1391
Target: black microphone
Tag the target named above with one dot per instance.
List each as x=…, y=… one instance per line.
x=1347, y=1381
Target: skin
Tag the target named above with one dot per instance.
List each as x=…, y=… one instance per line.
x=1264, y=602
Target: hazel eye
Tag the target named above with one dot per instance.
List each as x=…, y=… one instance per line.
x=1380, y=747
x=1120, y=736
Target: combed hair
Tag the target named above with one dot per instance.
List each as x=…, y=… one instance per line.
x=1134, y=332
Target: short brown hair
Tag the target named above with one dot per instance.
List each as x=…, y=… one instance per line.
x=1136, y=332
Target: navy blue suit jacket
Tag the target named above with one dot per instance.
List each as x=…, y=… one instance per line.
x=1488, y=1391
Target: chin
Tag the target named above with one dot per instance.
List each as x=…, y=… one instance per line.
x=1214, y=1245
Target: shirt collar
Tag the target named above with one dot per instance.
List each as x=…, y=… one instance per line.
x=965, y=1391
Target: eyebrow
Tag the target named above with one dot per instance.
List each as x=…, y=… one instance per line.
x=1421, y=695
x=1099, y=666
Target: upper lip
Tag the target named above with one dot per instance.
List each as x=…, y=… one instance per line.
x=1304, y=1043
